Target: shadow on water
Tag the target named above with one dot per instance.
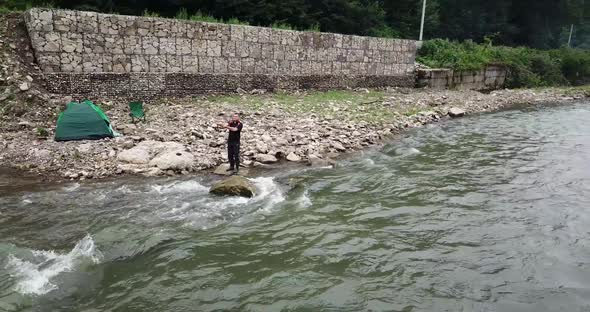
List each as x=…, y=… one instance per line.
x=12, y=181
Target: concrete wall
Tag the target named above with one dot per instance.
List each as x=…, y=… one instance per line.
x=492, y=77
x=132, y=54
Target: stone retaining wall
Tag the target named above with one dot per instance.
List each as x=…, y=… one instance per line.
x=130, y=54
x=490, y=78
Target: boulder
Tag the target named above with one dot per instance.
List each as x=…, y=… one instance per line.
x=293, y=157
x=137, y=155
x=174, y=160
x=234, y=186
x=266, y=159
x=456, y=112
x=166, y=152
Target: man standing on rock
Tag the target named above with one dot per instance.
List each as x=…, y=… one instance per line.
x=233, y=143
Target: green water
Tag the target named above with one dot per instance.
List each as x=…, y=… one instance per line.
x=486, y=213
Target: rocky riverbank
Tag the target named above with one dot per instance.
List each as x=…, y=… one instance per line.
x=181, y=137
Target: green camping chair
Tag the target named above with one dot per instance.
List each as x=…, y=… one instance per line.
x=137, y=111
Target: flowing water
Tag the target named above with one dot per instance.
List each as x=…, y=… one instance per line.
x=486, y=213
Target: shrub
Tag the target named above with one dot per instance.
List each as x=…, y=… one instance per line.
x=281, y=26
x=42, y=132
x=314, y=28
x=528, y=67
x=235, y=21
x=385, y=32
x=182, y=14
x=147, y=13
x=200, y=17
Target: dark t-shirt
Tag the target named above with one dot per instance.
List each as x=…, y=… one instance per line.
x=234, y=136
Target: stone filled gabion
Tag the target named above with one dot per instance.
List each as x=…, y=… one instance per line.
x=81, y=49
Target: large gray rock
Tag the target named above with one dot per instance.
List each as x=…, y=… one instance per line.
x=173, y=161
x=137, y=155
x=293, y=157
x=456, y=112
x=266, y=159
x=163, y=155
x=157, y=147
x=234, y=186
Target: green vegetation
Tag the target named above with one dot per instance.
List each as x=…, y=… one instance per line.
x=529, y=67
x=182, y=14
x=235, y=21
x=200, y=17
x=281, y=26
x=314, y=28
x=147, y=13
x=42, y=132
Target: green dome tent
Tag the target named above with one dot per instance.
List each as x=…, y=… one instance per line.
x=83, y=121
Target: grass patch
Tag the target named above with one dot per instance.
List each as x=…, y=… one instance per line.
x=411, y=111
x=182, y=14
x=334, y=104
x=282, y=26
x=235, y=21
x=314, y=28
x=147, y=13
x=42, y=132
x=200, y=17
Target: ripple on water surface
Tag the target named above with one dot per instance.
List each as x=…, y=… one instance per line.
x=487, y=213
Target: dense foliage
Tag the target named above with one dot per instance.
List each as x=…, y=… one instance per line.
x=529, y=67
x=534, y=23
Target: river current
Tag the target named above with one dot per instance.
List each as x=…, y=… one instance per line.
x=485, y=213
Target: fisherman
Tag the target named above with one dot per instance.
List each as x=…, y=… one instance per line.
x=233, y=142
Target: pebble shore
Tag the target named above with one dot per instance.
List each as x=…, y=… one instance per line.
x=181, y=136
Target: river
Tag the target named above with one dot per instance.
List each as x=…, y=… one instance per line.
x=485, y=213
